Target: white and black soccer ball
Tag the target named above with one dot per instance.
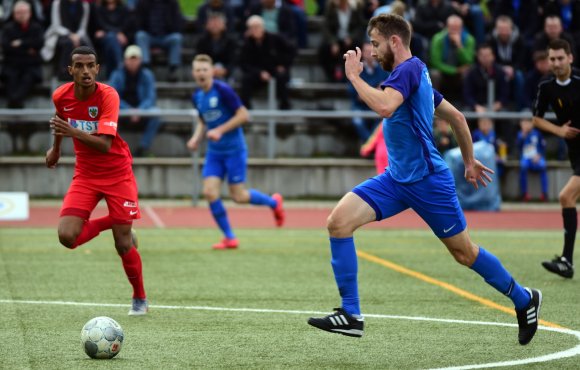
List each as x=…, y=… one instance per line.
x=102, y=337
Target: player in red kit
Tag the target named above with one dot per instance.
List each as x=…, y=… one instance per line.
x=88, y=112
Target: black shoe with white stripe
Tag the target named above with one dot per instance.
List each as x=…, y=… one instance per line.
x=560, y=266
x=339, y=322
x=528, y=317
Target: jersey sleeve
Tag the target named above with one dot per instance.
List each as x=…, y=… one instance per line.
x=109, y=113
x=437, y=98
x=405, y=79
x=541, y=103
x=229, y=97
x=56, y=95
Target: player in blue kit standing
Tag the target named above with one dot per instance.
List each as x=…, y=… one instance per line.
x=417, y=178
x=222, y=114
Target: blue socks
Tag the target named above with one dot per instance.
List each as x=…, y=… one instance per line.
x=345, y=266
x=258, y=198
x=490, y=268
x=220, y=216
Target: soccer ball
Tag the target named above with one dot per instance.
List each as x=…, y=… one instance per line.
x=102, y=337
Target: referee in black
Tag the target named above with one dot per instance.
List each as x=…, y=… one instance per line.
x=561, y=92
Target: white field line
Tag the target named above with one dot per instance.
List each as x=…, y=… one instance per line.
x=574, y=351
x=157, y=221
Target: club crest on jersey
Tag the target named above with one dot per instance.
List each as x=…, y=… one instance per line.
x=93, y=111
x=213, y=102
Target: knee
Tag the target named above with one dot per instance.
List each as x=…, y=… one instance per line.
x=465, y=256
x=141, y=36
x=210, y=195
x=338, y=226
x=565, y=199
x=175, y=38
x=123, y=246
x=239, y=197
x=67, y=237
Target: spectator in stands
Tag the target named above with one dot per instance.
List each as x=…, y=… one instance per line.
x=472, y=14
x=21, y=44
x=452, y=54
x=343, y=28
x=511, y=53
x=131, y=5
x=532, y=147
x=485, y=131
x=524, y=14
x=301, y=22
x=116, y=30
x=431, y=17
x=397, y=7
x=39, y=10
x=159, y=24
x=540, y=71
x=374, y=75
x=569, y=13
x=265, y=56
x=219, y=44
x=278, y=18
x=69, y=28
x=444, y=137
x=553, y=30
x=476, y=83
x=376, y=144
x=222, y=7
x=136, y=87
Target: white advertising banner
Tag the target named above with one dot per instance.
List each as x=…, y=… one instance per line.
x=13, y=206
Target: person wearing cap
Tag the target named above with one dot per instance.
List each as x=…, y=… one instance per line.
x=136, y=87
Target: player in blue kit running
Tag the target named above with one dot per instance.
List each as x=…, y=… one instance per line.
x=222, y=114
x=417, y=178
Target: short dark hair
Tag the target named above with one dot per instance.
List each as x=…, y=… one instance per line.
x=389, y=25
x=485, y=45
x=559, y=44
x=540, y=55
x=83, y=50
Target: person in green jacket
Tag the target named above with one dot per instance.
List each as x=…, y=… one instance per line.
x=452, y=53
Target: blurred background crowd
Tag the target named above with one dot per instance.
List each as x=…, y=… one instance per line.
x=146, y=47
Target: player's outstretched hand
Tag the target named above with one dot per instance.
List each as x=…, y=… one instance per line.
x=52, y=157
x=569, y=132
x=352, y=64
x=477, y=172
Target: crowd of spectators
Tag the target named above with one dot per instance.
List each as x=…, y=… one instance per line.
x=465, y=43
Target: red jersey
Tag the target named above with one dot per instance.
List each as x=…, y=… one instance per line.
x=98, y=114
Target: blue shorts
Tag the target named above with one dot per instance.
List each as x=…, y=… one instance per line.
x=233, y=164
x=433, y=198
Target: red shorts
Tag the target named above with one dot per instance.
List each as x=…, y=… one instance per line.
x=82, y=198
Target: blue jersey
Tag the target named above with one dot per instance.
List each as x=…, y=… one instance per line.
x=217, y=106
x=531, y=145
x=408, y=132
x=478, y=135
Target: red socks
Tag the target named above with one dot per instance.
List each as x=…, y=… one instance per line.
x=131, y=260
x=133, y=269
x=92, y=228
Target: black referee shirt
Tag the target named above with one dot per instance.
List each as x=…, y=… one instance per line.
x=564, y=100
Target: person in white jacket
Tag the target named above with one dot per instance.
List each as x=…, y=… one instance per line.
x=69, y=24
